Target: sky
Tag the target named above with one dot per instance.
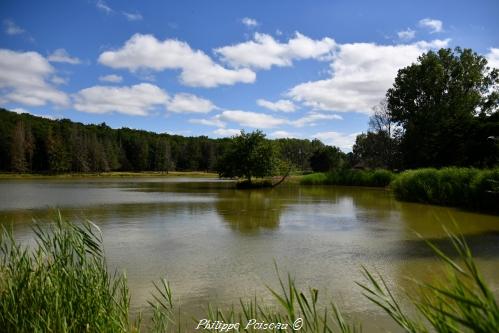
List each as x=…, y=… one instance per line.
x=301, y=69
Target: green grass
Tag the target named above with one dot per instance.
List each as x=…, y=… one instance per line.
x=62, y=285
x=460, y=187
x=349, y=177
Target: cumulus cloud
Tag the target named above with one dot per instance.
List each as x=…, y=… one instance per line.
x=197, y=69
x=432, y=24
x=282, y=105
x=249, y=22
x=251, y=119
x=11, y=28
x=189, y=103
x=113, y=78
x=361, y=75
x=138, y=99
x=312, y=118
x=406, y=34
x=493, y=57
x=61, y=55
x=227, y=132
x=264, y=51
x=341, y=140
x=24, y=79
x=132, y=16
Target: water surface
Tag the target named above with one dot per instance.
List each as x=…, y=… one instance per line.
x=216, y=244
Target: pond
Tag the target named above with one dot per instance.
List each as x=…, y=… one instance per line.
x=216, y=244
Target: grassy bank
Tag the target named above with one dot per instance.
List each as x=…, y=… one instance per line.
x=196, y=174
x=63, y=286
x=348, y=177
x=460, y=187
x=468, y=188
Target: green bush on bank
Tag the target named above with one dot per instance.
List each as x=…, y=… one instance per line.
x=349, y=177
x=461, y=187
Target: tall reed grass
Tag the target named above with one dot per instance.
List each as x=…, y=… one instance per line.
x=461, y=187
x=349, y=177
x=62, y=285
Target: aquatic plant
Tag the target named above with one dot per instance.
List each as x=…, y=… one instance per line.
x=461, y=187
x=349, y=177
x=62, y=285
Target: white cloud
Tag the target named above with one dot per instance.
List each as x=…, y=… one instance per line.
x=283, y=134
x=264, y=51
x=102, y=5
x=138, y=99
x=58, y=80
x=24, y=79
x=11, y=28
x=361, y=75
x=312, y=118
x=432, y=24
x=189, y=103
x=341, y=140
x=282, y=105
x=197, y=69
x=113, y=78
x=61, y=55
x=21, y=110
x=227, y=132
x=214, y=121
x=406, y=34
x=493, y=57
x=251, y=119
x=132, y=16
x=249, y=22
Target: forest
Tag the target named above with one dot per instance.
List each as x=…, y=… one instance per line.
x=39, y=145
x=441, y=111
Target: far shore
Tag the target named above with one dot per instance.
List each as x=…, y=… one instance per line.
x=195, y=174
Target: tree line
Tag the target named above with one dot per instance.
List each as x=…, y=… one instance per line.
x=442, y=110
x=34, y=144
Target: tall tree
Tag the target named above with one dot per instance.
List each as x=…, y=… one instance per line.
x=436, y=101
x=249, y=155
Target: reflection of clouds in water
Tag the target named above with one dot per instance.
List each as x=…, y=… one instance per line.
x=216, y=244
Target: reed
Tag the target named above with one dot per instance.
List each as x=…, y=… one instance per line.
x=348, y=177
x=460, y=187
x=62, y=285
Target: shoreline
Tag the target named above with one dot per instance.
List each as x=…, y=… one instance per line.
x=131, y=174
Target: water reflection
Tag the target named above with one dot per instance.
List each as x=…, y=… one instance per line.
x=250, y=211
x=216, y=244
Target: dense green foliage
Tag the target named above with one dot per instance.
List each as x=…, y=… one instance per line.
x=249, y=155
x=63, y=286
x=462, y=187
x=441, y=111
x=34, y=144
x=326, y=159
x=444, y=104
x=348, y=177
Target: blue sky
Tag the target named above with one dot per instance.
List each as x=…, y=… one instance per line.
x=305, y=69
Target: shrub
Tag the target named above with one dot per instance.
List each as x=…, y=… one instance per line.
x=347, y=177
x=461, y=187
